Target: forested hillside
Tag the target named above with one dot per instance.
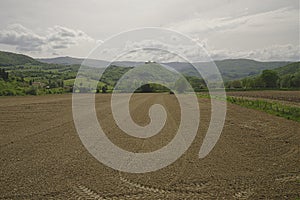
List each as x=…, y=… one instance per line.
x=286, y=77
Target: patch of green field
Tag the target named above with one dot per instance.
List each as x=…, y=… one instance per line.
x=84, y=82
x=275, y=108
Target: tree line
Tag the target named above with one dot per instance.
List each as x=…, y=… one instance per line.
x=3, y=74
x=267, y=79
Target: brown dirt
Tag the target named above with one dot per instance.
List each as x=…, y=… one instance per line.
x=42, y=157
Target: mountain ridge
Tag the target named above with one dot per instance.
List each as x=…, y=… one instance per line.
x=230, y=69
x=10, y=58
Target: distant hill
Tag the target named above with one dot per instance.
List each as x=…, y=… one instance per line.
x=61, y=60
x=57, y=75
x=10, y=59
x=289, y=69
x=236, y=68
x=230, y=69
x=73, y=61
x=89, y=62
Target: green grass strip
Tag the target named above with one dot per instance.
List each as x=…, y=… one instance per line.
x=274, y=108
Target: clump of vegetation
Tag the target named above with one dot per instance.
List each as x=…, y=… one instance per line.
x=275, y=108
x=3, y=74
x=271, y=107
x=36, y=82
x=23, y=75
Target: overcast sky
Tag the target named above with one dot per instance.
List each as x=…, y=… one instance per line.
x=257, y=29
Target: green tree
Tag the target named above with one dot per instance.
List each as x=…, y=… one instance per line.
x=3, y=74
x=196, y=83
x=248, y=83
x=296, y=80
x=32, y=91
x=146, y=88
x=104, y=89
x=180, y=85
x=270, y=78
x=285, y=81
x=236, y=84
x=258, y=83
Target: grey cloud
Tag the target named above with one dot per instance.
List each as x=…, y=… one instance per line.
x=22, y=38
x=61, y=37
x=57, y=37
x=59, y=46
x=206, y=25
x=271, y=53
x=245, y=25
x=162, y=52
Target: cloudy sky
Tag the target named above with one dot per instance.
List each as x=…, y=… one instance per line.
x=261, y=30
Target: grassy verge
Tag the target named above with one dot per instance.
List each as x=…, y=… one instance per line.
x=274, y=108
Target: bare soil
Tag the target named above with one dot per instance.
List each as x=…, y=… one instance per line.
x=42, y=157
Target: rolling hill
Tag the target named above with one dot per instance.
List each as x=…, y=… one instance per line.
x=89, y=62
x=73, y=61
x=9, y=59
x=57, y=75
x=285, y=77
x=289, y=69
x=230, y=68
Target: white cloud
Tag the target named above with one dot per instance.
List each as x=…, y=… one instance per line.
x=235, y=25
x=271, y=53
x=57, y=37
x=61, y=37
x=21, y=37
x=163, y=52
x=158, y=51
x=207, y=25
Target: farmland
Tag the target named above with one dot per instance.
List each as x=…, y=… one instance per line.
x=284, y=96
x=149, y=100
x=42, y=156
x=280, y=103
